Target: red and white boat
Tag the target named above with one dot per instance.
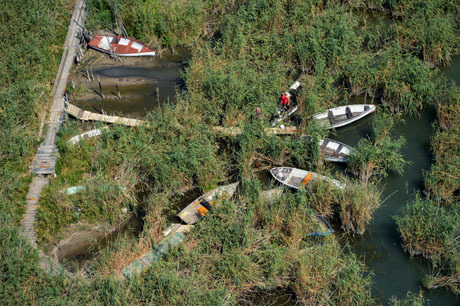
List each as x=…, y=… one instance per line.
x=121, y=46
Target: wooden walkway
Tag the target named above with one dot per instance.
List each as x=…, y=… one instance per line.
x=47, y=154
x=86, y=115
x=233, y=131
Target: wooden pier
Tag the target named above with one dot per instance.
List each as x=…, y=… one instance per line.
x=47, y=154
x=234, y=131
x=87, y=116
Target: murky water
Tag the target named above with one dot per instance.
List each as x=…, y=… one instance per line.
x=396, y=273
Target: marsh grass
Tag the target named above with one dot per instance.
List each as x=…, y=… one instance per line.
x=256, y=50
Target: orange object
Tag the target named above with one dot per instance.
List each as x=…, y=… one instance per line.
x=203, y=210
x=307, y=178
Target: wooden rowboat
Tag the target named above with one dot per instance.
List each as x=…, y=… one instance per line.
x=297, y=178
x=203, y=204
x=343, y=115
x=120, y=46
x=333, y=150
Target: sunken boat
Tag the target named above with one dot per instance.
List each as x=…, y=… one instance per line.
x=343, y=115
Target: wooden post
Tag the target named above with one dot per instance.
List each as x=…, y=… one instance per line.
x=102, y=109
x=92, y=74
x=87, y=74
x=118, y=91
x=100, y=88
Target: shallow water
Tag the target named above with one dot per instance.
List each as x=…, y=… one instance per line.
x=143, y=83
x=396, y=273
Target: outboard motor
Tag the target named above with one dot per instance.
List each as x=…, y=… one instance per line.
x=86, y=37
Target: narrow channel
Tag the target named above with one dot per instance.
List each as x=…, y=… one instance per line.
x=395, y=272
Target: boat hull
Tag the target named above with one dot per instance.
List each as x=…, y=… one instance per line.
x=298, y=179
x=120, y=46
x=343, y=115
x=325, y=227
x=332, y=150
x=197, y=209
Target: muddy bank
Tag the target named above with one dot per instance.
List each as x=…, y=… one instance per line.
x=130, y=88
x=84, y=240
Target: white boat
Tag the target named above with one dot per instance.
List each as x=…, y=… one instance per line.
x=333, y=150
x=297, y=178
x=93, y=133
x=343, y=115
x=289, y=93
x=203, y=204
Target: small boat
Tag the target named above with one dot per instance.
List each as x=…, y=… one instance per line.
x=117, y=45
x=292, y=89
x=343, y=115
x=333, y=150
x=174, y=235
x=93, y=133
x=203, y=204
x=323, y=227
x=297, y=178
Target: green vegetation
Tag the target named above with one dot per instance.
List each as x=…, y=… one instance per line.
x=244, y=54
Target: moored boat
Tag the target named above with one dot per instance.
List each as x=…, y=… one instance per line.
x=120, y=46
x=332, y=150
x=203, y=204
x=343, y=115
x=297, y=178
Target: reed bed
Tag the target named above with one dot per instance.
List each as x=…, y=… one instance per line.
x=244, y=54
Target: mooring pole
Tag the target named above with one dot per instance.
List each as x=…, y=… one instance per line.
x=100, y=87
x=118, y=91
x=87, y=74
x=102, y=109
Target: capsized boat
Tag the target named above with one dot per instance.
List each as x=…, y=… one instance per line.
x=117, y=45
x=297, y=178
x=203, y=204
x=343, y=115
x=323, y=227
x=289, y=93
x=333, y=150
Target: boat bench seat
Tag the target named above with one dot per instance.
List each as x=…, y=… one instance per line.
x=339, y=149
